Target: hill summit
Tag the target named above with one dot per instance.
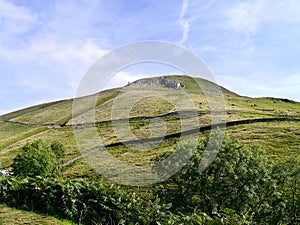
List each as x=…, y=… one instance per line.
x=56, y=120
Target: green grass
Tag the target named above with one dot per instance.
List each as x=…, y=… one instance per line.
x=10, y=133
x=64, y=135
x=280, y=139
x=55, y=113
x=21, y=112
x=13, y=137
x=17, y=217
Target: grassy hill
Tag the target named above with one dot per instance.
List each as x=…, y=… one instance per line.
x=279, y=138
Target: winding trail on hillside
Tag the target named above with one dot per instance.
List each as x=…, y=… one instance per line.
x=185, y=133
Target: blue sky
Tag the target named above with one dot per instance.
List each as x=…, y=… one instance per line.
x=252, y=47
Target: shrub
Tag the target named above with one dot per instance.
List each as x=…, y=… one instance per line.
x=240, y=185
x=36, y=159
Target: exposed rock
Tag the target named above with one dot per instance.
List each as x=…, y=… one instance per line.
x=6, y=173
x=165, y=82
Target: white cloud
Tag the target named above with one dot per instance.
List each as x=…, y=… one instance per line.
x=75, y=53
x=122, y=78
x=209, y=49
x=57, y=45
x=263, y=48
x=247, y=17
x=191, y=11
x=15, y=20
x=184, y=22
x=263, y=84
x=72, y=58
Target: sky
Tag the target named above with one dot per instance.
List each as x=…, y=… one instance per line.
x=251, y=47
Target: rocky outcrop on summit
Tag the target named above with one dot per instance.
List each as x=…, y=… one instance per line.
x=165, y=82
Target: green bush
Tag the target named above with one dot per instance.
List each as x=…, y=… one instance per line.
x=37, y=159
x=58, y=149
x=83, y=201
x=240, y=185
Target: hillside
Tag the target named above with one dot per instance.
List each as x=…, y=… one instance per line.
x=54, y=120
x=14, y=216
x=142, y=122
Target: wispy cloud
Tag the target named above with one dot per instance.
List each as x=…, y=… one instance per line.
x=47, y=52
x=248, y=17
x=15, y=20
x=58, y=43
x=47, y=46
x=184, y=22
x=196, y=8
x=122, y=78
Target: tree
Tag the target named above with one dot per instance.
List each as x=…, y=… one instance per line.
x=36, y=159
x=238, y=185
x=287, y=202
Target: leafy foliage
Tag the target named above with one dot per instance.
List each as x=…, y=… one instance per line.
x=83, y=201
x=58, y=149
x=240, y=185
x=37, y=159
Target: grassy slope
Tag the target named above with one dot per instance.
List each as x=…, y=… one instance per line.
x=13, y=136
x=281, y=140
x=14, y=216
